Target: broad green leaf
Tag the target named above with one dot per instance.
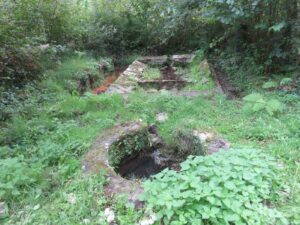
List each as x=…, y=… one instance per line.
x=270, y=84
x=277, y=27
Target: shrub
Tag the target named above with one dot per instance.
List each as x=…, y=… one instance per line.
x=18, y=65
x=230, y=187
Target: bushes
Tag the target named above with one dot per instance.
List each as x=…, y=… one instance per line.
x=231, y=187
x=77, y=74
x=18, y=66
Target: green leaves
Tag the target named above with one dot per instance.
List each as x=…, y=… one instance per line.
x=228, y=187
x=16, y=177
x=274, y=106
x=257, y=102
x=270, y=84
x=277, y=27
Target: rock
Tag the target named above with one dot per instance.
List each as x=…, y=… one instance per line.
x=155, y=140
x=217, y=145
x=97, y=159
x=3, y=210
x=212, y=143
x=132, y=76
x=128, y=80
x=71, y=198
x=152, y=90
x=44, y=47
x=135, y=69
x=115, y=88
x=110, y=215
x=162, y=117
x=182, y=60
x=154, y=60
x=203, y=136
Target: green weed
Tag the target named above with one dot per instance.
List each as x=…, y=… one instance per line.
x=152, y=74
x=229, y=187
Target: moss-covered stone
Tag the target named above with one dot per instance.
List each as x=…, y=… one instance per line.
x=127, y=145
x=115, y=144
x=186, y=143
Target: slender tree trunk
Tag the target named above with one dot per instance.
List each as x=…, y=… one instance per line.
x=291, y=17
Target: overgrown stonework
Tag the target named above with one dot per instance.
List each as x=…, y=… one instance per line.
x=115, y=144
x=110, y=149
x=129, y=144
x=134, y=150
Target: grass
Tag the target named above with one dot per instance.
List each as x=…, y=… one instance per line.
x=152, y=74
x=53, y=138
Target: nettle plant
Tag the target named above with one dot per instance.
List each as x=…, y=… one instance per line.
x=231, y=187
x=256, y=102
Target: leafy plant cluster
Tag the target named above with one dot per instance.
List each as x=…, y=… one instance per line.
x=285, y=82
x=231, y=187
x=256, y=102
x=16, y=177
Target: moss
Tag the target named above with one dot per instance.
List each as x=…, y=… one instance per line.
x=185, y=144
x=127, y=145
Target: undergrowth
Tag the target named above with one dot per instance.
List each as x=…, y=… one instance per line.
x=47, y=130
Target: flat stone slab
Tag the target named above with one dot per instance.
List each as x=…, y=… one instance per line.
x=161, y=60
x=154, y=60
x=132, y=76
x=183, y=59
x=128, y=79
